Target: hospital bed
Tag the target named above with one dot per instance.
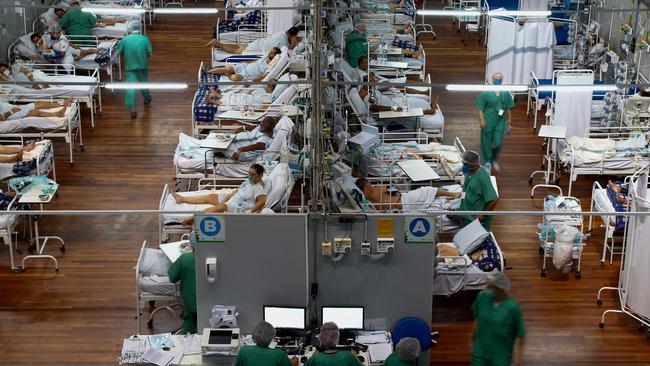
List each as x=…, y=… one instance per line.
x=604, y=151
x=67, y=127
x=82, y=93
x=401, y=16
x=456, y=273
x=152, y=284
x=537, y=98
x=39, y=161
x=603, y=201
x=191, y=161
x=278, y=185
x=109, y=56
x=118, y=30
x=281, y=65
x=433, y=125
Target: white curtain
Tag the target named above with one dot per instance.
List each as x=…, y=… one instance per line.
x=515, y=50
x=637, y=263
x=533, y=4
x=279, y=20
x=573, y=108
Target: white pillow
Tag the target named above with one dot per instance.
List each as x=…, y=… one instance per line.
x=471, y=237
x=278, y=178
x=357, y=102
x=286, y=96
x=284, y=124
x=154, y=261
x=279, y=88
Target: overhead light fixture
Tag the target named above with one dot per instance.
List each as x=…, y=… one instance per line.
x=520, y=13
x=486, y=87
x=577, y=88
x=157, y=86
x=450, y=13
x=124, y=11
x=185, y=11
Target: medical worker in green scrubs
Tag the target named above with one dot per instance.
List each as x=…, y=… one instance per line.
x=498, y=325
x=77, y=22
x=356, y=45
x=136, y=50
x=478, y=191
x=184, y=270
x=494, y=114
x=406, y=353
x=328, y=355
x=260, y=354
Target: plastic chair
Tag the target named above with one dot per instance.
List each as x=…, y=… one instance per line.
x=415, y=328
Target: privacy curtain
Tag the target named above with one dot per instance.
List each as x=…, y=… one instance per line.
x=533, y=5
x=515, y=50
x=279, y=20
x=573, y=108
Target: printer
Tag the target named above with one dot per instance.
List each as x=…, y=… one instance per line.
x=220, y=341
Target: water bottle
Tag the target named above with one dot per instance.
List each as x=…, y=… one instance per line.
x=405, y=102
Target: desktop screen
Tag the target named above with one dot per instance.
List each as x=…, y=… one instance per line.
x=350, y=317
x=285, y=317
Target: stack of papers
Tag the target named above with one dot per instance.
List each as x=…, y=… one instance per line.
x=159, y=341
x=379, y=352
x=372, y=337
x=191, y=344
x=157, y=357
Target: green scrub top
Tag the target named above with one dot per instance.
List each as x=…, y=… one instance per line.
x=136, y=49
x=261, y=356
x=478, y=191
x=497, y=327
x=339, y=358
x=490, y=104
x=184, y=270
x=393, y=360
x=78, y=23
x=356, y=46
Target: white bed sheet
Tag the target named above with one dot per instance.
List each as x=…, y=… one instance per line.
x=170, y=205
x=38, y=123
x=75, y=91
x=447, y=283
x=118, y=30
x=603, y=204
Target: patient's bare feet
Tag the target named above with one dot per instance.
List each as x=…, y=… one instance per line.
x=177, y=197
x=30, y=147
x=212, y=42
x=188, y=221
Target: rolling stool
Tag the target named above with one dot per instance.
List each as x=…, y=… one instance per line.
x=415, y=328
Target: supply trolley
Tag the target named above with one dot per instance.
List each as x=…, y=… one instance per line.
x=561, y=236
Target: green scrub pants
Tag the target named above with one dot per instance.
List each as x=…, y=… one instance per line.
x=491, y=140
x=135, y=76
x=480, y=361
x=189, y=322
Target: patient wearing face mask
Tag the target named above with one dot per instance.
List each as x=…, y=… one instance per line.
x=250, y=197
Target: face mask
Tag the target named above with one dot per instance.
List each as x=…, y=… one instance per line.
x=5, y=73
x=250, y=180
x=465, y=169
x=497, y=82
x=365, y=34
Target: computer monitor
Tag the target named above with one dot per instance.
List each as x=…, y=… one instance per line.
x=284, y=317
x=345, y=317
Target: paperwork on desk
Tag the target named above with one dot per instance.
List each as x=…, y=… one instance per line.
x=371, y=337
x=379, y=352
x=157, y=357
x=191, y=344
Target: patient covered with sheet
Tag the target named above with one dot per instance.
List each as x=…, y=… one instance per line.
x=10, y=112
x=595, y=150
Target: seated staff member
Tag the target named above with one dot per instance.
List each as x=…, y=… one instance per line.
x=250, y=197
x=328, y=355
x=251, y=71
x=478, y=192
x=10, y=112
x=79, y=23
x=406, y=353
x=407, y=201
x=260, y=354
x=184, y=270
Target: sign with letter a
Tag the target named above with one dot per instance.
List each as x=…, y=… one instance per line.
x=419, y=230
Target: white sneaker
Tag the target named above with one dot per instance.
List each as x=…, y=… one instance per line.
x=496, y=166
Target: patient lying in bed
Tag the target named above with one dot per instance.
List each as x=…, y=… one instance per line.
x=12, y=154
x=12, y=112
x=256, y=98
x=251, y=71
x=408, y=202
x=250, y=197
x=20, y=73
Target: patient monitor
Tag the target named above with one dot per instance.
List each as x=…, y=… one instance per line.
x=223, y=340
x=637, y=110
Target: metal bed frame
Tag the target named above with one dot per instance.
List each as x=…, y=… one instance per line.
x=70, y=131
